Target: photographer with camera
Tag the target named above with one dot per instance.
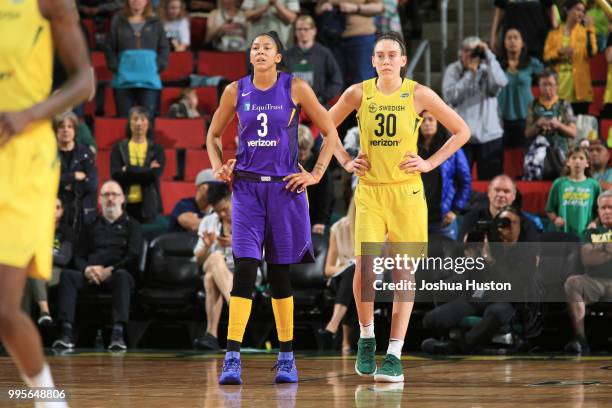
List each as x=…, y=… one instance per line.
x=503, y=263
x=470, y=86
x=501, y=193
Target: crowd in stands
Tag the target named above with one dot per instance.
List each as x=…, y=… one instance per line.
x=533, y=97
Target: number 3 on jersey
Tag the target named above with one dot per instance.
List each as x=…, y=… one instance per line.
x=263, y=118
x=390, y=123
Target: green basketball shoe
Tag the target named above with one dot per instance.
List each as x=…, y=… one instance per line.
x=391, y=370
x=365, y=364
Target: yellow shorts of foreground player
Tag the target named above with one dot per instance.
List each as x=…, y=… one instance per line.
x=29, y=178
x=390, y=212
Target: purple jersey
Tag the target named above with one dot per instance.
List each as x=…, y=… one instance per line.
x=268, y=128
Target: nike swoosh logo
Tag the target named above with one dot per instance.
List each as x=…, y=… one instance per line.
x=245, y=94
x=368, y=98
x=414, y=192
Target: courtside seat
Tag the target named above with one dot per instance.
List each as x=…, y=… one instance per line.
x=308, y=280
x=171, y=279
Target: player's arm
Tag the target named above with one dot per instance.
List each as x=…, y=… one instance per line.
x=349, y=101
x=305, y=96
x=69, y=42
x=221, y=118
x=427, y=100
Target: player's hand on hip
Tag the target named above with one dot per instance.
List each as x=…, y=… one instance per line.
x=359, y=165
x=298, y=182
x=414, y=163
x=12, y=123
x=226, y=171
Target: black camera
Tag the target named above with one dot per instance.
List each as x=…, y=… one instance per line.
x=489, y=225
x=479, y=52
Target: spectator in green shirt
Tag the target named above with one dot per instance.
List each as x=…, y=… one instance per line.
x=572, y=198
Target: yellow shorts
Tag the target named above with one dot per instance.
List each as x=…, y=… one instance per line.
x=29, y=179
x=390, y=212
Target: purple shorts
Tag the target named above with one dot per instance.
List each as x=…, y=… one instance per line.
x=266, y=215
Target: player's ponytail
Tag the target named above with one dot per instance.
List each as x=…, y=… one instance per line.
x=393, y=36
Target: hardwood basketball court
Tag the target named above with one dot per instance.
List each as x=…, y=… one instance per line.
x=183, y=379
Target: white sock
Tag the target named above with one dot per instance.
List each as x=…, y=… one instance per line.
x=367, y=331
x=42, y=379
x=395, y=347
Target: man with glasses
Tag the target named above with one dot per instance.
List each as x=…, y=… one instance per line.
x=313, y=62
x=106, y=260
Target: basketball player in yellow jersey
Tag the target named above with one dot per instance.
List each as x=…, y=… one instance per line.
x=389, y=198
x=29, y=167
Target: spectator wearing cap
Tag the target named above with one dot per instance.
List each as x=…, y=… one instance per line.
x=188, y=212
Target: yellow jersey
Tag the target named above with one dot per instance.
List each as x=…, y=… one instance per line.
x=388, y=128
x=26, y=55
x=138, y=156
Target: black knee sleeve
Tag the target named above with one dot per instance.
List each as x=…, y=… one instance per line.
x=245, y=273
x=279, y=278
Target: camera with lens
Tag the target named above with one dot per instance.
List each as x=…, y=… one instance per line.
x=479, y=52
x=488, y=226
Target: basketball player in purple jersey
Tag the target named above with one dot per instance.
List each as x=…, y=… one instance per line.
x=270, y=208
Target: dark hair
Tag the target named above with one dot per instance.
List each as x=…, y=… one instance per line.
x=576, y=150
x=274, y=36
x=139, y=110
x=549, y=72
x=393, y=36
x=570, y=4
x=183, y=94
x=217, y=192
x=441, y=136
x=523, y=56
